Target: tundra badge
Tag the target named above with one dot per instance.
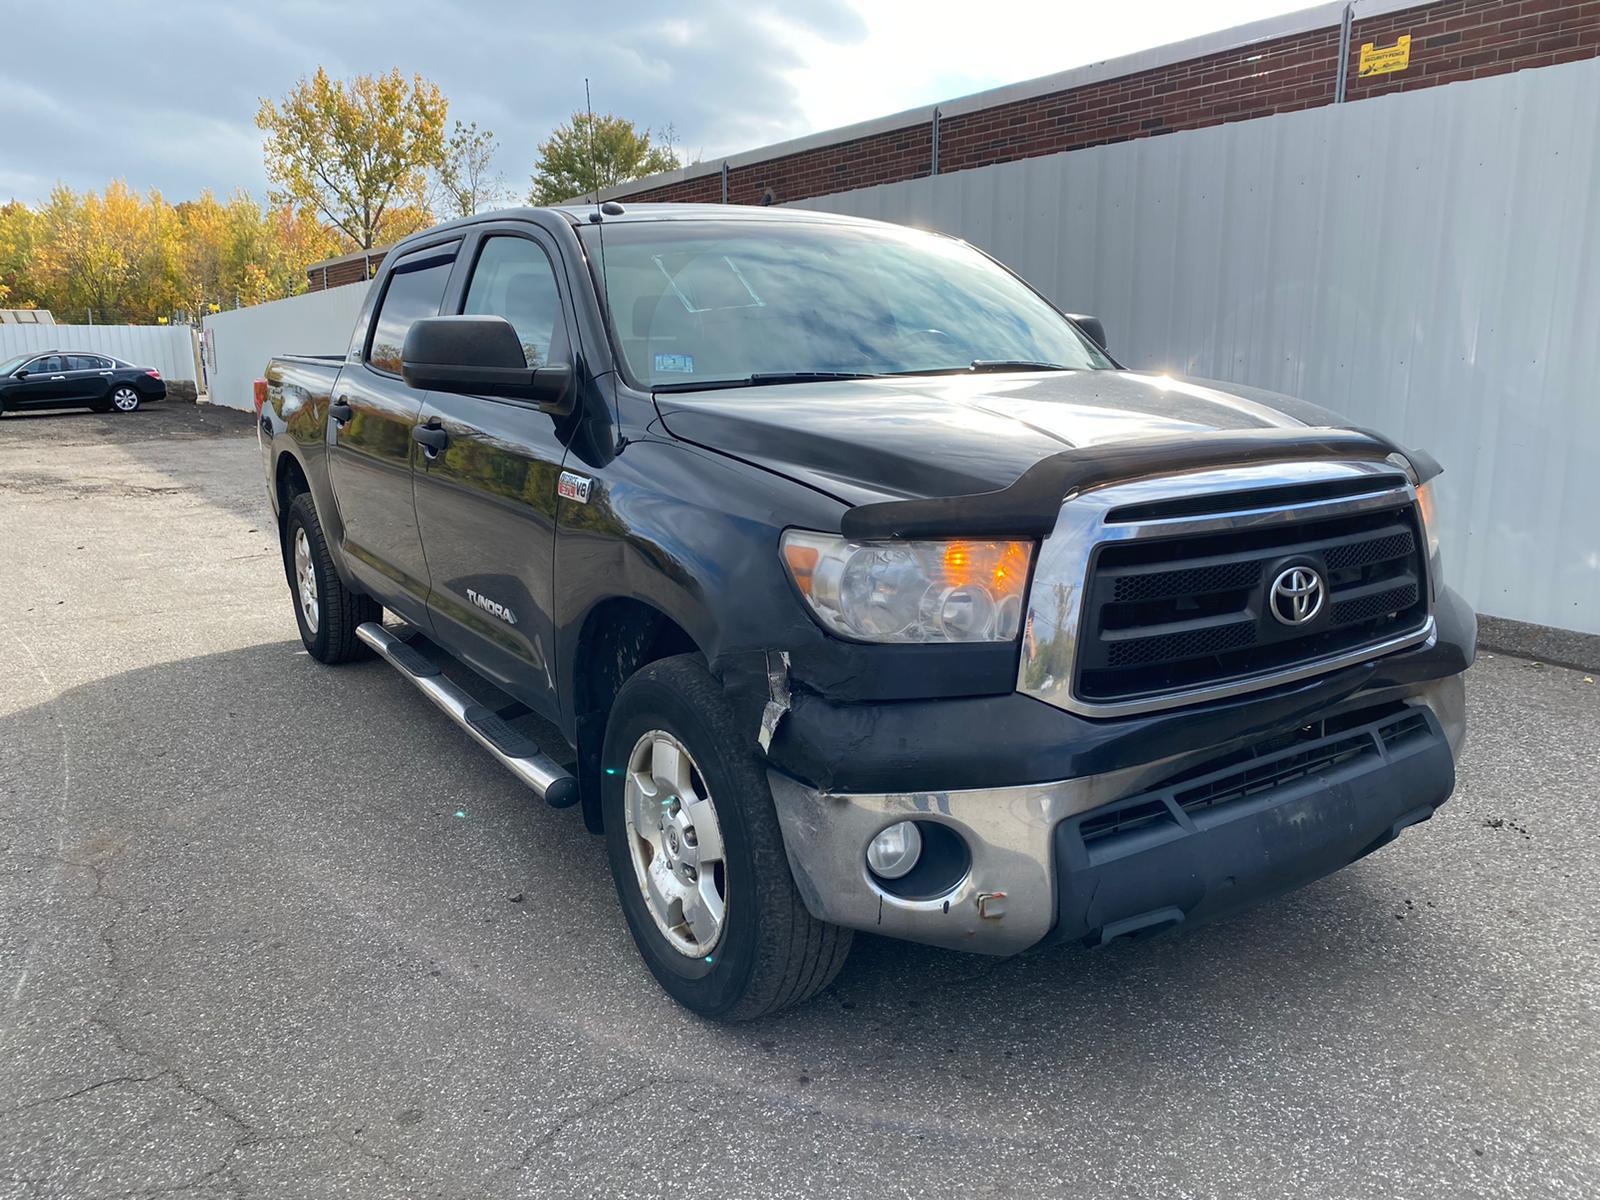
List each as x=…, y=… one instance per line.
x=493, y=607
x=574, y=487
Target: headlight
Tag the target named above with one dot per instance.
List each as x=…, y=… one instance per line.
x=894, y=591
x=1430, y=518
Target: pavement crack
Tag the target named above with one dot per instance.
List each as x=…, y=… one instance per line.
x=598, y=1105
x=83, y=1091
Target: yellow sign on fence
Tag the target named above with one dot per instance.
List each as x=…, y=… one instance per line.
x=1383, y=60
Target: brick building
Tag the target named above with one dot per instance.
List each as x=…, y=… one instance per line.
x=1335, y=53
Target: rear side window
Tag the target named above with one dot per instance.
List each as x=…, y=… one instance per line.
x=415, y=290
x=514, y=280
x=85, y=362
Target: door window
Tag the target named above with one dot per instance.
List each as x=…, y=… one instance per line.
x=85, y=362
x=415, y=290
x=514, y=280
x=49, y=365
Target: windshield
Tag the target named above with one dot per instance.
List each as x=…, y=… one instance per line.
x=11, y=364
x=708, y=303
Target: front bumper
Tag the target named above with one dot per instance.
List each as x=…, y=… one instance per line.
x=1033, y=871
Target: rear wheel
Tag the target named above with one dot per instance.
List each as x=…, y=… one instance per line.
x=326, y=611
x=124, y=398
x=697, y=855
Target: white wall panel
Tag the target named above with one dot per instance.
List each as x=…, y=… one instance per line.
x=167, y=348
x=1426, y=263
x=239, y=343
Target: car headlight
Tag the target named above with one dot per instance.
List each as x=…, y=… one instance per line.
x=1426, y=506
x=904, y=591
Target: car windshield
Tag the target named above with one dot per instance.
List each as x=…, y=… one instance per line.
x=721, y=303
x=11, y=364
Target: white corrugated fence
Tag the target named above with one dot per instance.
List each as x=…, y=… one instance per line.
x=1427, y=264
x=237, y=344
x=167, y=348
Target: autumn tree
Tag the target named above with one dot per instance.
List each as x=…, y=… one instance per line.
x=18, y=226
x=112, y=257
x=468, y=182
x=590, y=153
x=360, y=153
x=243, y=253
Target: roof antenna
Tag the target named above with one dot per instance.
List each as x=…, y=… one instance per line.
x=594, y=166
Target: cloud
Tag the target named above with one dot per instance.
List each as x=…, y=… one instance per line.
x=163, y=93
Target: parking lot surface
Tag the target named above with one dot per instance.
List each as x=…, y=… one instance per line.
x=270, y=929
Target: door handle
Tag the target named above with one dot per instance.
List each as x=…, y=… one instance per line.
x=341, y=411
x=58, y=379
x=431, y=437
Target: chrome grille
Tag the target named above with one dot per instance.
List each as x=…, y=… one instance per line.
x=1156, y=594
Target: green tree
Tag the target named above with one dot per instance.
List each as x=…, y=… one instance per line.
x=468, y=182
x=360, y=153
x=591, y=153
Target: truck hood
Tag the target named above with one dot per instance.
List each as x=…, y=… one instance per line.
x=921, y=437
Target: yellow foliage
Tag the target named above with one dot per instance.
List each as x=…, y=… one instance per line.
x=123, y=256
x=359, y=153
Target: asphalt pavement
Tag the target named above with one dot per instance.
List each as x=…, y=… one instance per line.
x=271, y=929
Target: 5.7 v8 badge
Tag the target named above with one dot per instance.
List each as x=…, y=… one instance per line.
x=574, y=487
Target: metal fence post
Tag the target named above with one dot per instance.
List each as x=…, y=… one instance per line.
x=724, y=181
x=1344, y=53
x=937, y=117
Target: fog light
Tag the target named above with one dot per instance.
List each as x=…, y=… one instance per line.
x=894, y=851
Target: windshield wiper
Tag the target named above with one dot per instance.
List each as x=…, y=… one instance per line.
x=1016, y=364
x=762, y=379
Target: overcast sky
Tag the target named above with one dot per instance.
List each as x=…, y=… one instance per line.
x=163, y=93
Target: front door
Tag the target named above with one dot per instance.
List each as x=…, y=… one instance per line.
x=486, y=501
x=46, y=383
x=370, y=419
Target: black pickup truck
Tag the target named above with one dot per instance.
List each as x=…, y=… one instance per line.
x=866, y=589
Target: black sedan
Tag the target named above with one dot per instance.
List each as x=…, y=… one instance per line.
x=64, y=379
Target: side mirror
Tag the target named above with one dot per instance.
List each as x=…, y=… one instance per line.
x=1091, y=326
x=480, y=356
x=20, y=375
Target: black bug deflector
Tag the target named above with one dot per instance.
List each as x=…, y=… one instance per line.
x=1028, y=507
x=1212, y=843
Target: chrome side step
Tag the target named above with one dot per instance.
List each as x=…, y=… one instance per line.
x=518, y=754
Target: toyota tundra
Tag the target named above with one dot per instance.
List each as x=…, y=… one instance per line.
x=866, y=589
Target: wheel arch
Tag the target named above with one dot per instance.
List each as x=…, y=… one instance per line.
x=618, y=635
x=289, y=479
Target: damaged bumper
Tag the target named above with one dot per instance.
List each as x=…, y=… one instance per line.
x=1178, y=839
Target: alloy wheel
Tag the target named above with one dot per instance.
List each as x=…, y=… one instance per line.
x=676, y=844
x=305, y=579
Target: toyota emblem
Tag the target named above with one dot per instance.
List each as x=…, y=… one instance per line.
x=1297, y=595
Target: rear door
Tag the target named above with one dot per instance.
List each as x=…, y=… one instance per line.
x=85, y=382
x=486, y=502
x=371, y=416
x=46, y=383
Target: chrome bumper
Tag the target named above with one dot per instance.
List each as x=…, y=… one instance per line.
x=1007, y=901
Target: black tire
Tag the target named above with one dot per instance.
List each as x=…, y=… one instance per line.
x=339, y=610
x=124, y=398
x=772, y=952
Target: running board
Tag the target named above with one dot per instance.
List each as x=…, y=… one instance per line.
x=517, y=753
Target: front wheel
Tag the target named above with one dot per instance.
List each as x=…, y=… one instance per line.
x=124, y=398
x=697, y=855
x=326, y=611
